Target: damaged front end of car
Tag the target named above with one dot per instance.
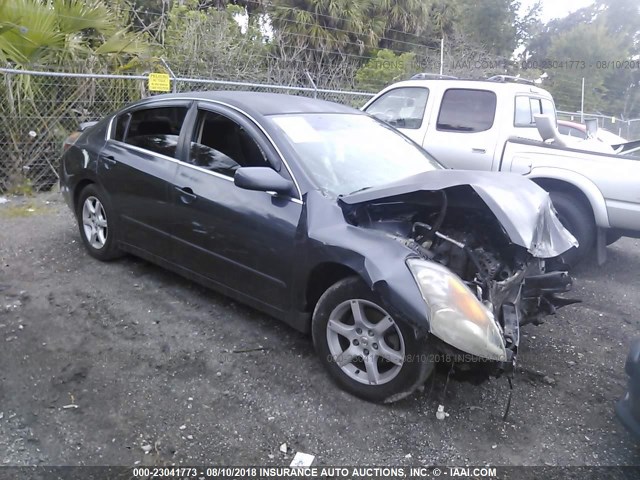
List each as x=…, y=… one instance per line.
x=479, y=246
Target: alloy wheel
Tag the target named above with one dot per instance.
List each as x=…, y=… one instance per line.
x=94, y=222
x=365, y=342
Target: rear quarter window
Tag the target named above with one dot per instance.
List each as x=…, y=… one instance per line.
x=121, y=123
x=467, y=111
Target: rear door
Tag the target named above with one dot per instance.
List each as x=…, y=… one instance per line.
x=240, y=239
x=465, y=133
x=137, y=167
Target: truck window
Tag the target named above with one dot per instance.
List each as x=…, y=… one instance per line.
x=401, y=107
x=528, y=107
x=523, y=116
x=548, y=108
x=467, y=111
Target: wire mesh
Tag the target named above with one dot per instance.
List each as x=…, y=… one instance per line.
x=627, y=129
x=38, y=110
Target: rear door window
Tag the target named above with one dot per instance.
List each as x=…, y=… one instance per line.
x=528, y=107
x=154, y=129
x=467, y=111
x=401, y=107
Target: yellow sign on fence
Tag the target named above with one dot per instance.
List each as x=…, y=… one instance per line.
x=159, y=82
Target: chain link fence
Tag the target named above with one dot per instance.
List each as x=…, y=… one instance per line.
x=38, y=110
x=628, y=129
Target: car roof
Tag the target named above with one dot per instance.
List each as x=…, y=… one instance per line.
x=261, y=103
x=473, y=84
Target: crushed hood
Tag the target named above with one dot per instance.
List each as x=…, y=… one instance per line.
x=523, y=208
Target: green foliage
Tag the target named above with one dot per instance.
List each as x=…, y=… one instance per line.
x=490, y=23
x=591, y=44
x=22, y=187
x=599, y=35
x=63, y=32
x=350, y=26
x=209, y=41
x=74, y=35
x=383, y=68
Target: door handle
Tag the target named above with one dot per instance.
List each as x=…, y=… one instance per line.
x=186, y=194
x=108, y=160
x=479, y=150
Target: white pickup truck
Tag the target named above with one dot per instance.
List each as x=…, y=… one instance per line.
x=494, y=125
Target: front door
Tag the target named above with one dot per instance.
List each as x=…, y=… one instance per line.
x=465, y=134
x=240, y=239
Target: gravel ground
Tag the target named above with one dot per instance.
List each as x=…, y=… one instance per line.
x=123, y=362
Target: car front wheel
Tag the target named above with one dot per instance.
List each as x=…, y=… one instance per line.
x=95, y=219
x=367, y=352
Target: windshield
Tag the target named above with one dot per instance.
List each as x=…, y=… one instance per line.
x=344, y=153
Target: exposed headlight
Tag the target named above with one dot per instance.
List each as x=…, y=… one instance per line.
x=456, y=315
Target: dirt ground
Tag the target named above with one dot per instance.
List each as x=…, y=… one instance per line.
x=122, y=362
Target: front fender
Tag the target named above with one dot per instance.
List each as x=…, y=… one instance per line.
x=378, y=258
x=586, y=186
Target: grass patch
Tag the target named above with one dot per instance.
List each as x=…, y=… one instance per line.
x=27, y=209
x=22, y=188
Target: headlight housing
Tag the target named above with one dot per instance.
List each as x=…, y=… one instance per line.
x=456, y=315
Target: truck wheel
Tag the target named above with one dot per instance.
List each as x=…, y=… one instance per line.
x=578, y=219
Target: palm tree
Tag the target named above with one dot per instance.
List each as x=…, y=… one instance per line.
x=339, y=26
x=61, y=32
x=80, y=35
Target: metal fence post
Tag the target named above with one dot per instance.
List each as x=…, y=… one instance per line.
x=174, y=88
x=313, y=84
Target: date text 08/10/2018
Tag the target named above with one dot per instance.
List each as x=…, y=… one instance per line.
x=313, y=472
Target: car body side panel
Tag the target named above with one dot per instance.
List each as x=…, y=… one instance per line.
x=609, y=181
x=80, y=161
x=378, y=258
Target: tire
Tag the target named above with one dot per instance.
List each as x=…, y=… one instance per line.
x=95, y=221
x=338, y=337
x=578, y=219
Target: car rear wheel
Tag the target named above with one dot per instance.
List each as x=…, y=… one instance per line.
x=95, y=217
x=578, y=219
x=367, y=352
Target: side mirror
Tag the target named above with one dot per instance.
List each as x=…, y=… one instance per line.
x=546, y=126
x=262, y=179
